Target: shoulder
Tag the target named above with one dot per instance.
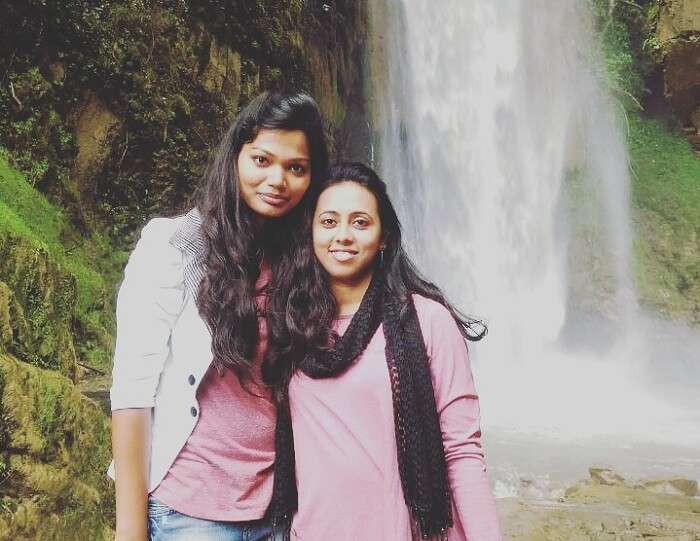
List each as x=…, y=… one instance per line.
x=430, y=311
x=154, y=258
x=444, y=342
x=436, y=322
x=161, y=230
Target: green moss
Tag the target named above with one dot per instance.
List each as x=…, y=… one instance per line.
x=55, y=458
x=42, y=298
x=666, y=197
x=62, y=283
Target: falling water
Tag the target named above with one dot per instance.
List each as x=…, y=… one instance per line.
x=506, y=159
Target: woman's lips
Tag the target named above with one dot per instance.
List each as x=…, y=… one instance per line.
x=342, y=255
x=273, y=199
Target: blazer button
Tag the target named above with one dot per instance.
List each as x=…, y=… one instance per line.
x=191, y=379
x=193, y=411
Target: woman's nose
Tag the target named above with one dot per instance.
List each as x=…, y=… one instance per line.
x=344, y=234
x=276, y=177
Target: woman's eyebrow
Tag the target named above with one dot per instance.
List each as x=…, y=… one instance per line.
x=261, y=149
x=295, y=159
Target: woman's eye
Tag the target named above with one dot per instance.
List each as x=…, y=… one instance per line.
x=327, y=222
x=361, y=222
x=298, y=169
x=260, y=160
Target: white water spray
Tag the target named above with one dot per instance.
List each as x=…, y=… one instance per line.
x=506, y=160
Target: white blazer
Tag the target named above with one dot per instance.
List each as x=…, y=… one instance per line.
x=163, y=346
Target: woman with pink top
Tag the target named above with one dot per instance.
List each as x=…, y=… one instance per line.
x=193, y=425
x=380, y=434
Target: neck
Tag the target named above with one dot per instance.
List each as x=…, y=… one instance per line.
x=348, y=294
x=258, y=222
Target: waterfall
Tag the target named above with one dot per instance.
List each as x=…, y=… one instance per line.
x=506, y=159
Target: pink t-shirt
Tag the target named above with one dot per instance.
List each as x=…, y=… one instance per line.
x=346, y=463
x=225, y=470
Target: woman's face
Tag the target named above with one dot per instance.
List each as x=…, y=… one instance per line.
x=347, y=232
x=274, y=171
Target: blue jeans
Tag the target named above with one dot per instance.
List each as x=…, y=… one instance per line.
x=166, y=524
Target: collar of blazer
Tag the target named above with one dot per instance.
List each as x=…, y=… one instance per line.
x=189, y=239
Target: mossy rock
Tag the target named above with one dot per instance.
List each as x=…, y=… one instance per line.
x=83, y=272
x=37, y=304
x=54, y=450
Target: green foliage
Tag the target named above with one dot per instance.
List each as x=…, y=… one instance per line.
x=666, y=194
x=147, y=61
x=59, y=279
x=665, y=171
x=41, y=298
x=626, y=34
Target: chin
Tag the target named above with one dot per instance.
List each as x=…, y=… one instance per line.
x=346, y=275
x=271, y=212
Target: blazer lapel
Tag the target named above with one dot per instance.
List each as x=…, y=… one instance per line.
x=189, y=239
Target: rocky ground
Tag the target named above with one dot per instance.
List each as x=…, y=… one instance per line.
x=606, y=507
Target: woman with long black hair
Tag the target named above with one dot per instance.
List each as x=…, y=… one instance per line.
x=379, y=432
x=192, y=423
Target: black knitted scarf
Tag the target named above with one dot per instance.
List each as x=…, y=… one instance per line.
x=421, y=455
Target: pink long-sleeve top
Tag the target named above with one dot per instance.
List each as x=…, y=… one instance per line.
x=346, y=457
x=225, y=470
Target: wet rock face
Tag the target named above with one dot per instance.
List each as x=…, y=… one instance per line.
x=678, y=32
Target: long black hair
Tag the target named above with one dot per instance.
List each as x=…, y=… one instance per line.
x=302, y=322
x=234, y=246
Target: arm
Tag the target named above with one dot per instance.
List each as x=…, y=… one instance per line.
x=149, y=301
x=131, y=447
x=458, y=407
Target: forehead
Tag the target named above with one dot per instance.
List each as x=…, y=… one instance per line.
x=346, y=198
x=282, y=142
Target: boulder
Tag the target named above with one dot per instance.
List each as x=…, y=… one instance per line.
x=675, y=486
x=605, y=475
